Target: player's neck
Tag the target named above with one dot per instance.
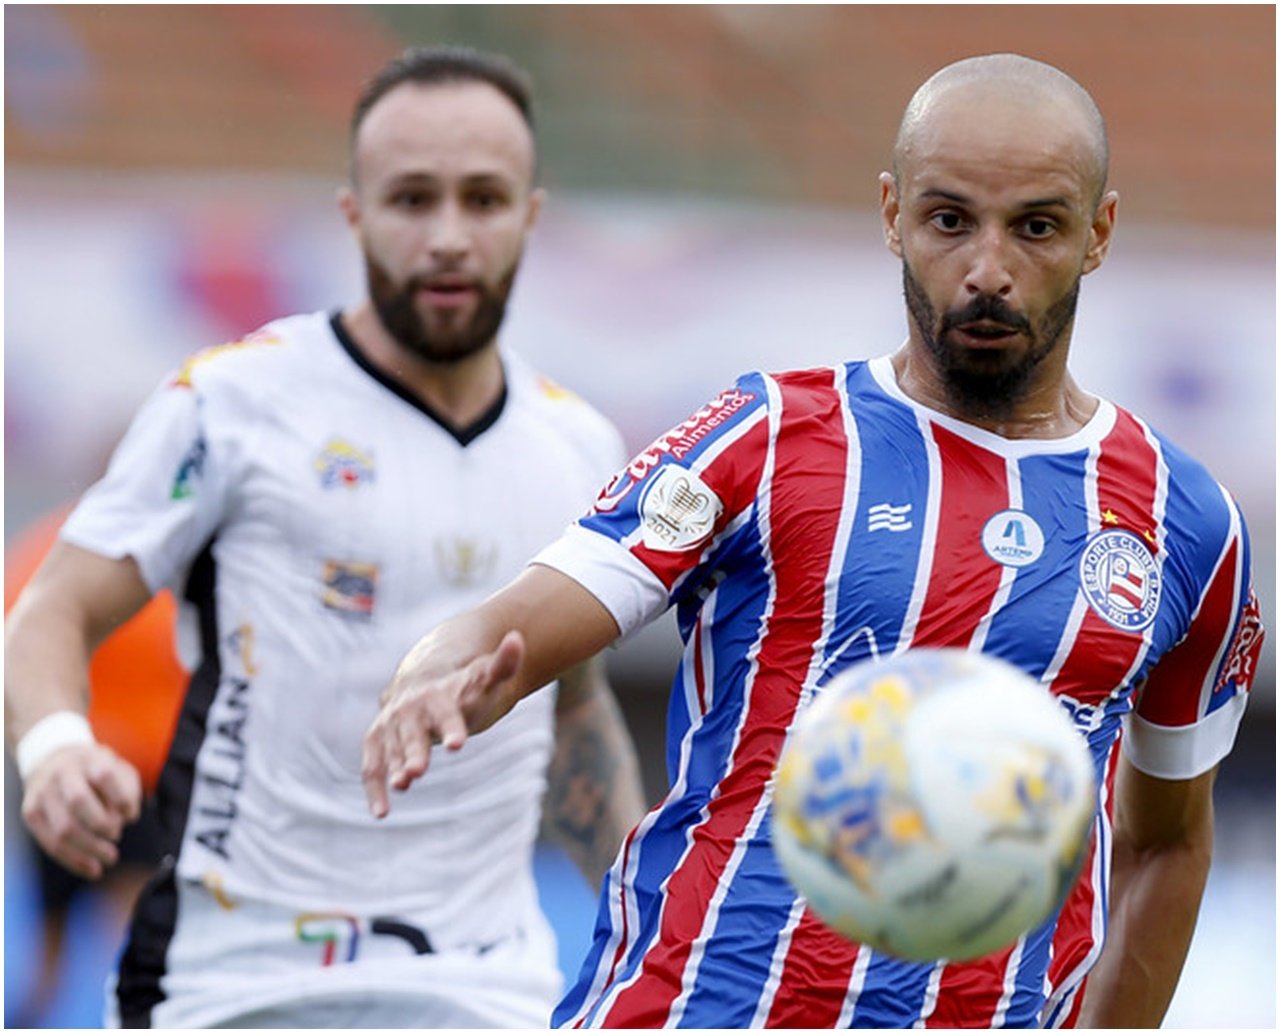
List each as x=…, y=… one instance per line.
x=459, y=393
x=1051, y=405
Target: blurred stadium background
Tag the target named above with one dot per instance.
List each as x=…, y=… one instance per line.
x=169, y=181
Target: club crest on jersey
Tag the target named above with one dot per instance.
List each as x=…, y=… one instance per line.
x=342, y=465
x=350, y=588
x=1013, y=539
x=1121, y=580
x=678, y=510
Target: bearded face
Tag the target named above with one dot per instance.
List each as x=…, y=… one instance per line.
x=442, y=319
x=986, y=380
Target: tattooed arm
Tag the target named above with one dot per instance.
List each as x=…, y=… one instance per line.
x=594, y=797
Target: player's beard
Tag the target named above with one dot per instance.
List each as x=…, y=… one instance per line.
x=396, y=305
x=988, y=382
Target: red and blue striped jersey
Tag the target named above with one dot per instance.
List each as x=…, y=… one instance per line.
x=804, y=521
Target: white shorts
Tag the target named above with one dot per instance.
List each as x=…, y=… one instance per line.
x=258, y=965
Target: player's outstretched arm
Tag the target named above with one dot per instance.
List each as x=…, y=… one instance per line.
x=1163, y=847
x=468, y=672
x=77, y=794
x=594, y=796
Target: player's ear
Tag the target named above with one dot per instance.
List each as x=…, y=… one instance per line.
x=349, y=206
x=1101, y=230
x=536, y=200
x=890, y=210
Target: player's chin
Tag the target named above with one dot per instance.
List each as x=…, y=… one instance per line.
x=450, y=354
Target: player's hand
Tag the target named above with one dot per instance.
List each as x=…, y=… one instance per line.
x=423, y=706
x=77, y=803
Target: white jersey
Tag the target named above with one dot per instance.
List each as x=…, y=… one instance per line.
x=318, y=519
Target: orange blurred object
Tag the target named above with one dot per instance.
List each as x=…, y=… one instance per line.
x=136, y=682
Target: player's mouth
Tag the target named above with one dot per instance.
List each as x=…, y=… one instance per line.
x=449, y=291
x=985, y=334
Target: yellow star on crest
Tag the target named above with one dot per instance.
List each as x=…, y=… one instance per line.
x=1110, y=518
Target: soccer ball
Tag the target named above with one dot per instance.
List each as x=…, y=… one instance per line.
x=933, y=805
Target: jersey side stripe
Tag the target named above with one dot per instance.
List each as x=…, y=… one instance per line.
x=143, y=963
x=779, y=668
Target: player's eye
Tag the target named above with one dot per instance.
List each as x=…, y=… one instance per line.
x=1038, y=227
x=947, y=221
x=486, y=200
x=411, y=200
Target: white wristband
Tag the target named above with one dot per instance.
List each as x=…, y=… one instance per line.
x=51, y=732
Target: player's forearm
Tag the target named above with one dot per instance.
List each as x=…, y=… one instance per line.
x=1155, y=901
x=594, y=796
x=72, y=603
x=46, y=663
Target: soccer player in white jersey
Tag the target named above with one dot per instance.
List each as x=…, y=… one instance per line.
x=962, y=491
x=317, y=493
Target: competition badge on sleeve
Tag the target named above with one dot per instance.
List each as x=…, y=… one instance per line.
x=678, y=511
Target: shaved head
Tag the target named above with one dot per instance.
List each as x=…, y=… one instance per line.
x=976, y=87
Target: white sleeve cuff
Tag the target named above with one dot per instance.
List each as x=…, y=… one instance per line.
x=1177, y=753
x=628, y=589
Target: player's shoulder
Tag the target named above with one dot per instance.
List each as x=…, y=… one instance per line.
x=818, y=376
x=549, y=401
x=252, y=363
x=815, y=383
x=1188, y=475
x=1200, y=511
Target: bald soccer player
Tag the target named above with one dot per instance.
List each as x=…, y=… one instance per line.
x=961, y=491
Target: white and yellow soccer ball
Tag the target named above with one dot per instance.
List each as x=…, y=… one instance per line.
x=933, y=805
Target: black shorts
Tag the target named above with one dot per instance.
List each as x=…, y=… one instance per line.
x=141, y=844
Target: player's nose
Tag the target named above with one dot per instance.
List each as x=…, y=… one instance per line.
x=448, y=233
x=990, y=264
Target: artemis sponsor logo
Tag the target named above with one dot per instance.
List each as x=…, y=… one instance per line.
x=677, y=443
x=1121, y=580
x=678, y=511
x=1013, y=539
